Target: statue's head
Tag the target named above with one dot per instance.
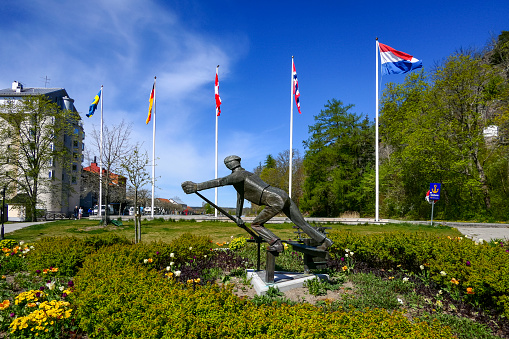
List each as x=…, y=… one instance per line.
x=232, y=161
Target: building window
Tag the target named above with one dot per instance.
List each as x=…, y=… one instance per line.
x=51, y=174
x=74, y=167
x=75, y=144
x=73, y=179
x=75, y=155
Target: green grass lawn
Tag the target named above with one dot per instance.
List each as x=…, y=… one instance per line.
x=158, y=230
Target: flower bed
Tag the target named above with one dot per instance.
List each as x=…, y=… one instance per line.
x=158, y=290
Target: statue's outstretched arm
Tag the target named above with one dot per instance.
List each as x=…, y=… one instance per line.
x=192, y=187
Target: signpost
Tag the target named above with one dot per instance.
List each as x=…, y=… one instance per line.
x=434, y=195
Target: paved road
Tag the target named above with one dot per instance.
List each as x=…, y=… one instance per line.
x=475, y=231
x=19, y=225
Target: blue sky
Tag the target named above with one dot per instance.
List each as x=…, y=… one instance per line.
x=123, y=44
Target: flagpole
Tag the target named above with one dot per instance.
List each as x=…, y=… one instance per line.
x=101, y=158
x=290, y=160
x=154, y=151
x=377, y=187
x=217, y=124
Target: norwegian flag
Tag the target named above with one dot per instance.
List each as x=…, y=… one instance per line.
x=218, y=99
x=296, y=86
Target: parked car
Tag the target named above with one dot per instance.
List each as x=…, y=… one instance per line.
x=103, y=209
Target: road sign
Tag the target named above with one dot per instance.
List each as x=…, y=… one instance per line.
x=434, y=191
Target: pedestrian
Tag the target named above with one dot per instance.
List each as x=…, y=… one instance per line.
x=76, y=211
x=80, y=212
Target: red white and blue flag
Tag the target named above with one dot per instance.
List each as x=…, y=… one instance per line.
x=396, y=62
x=218, y=99
x=296, y=86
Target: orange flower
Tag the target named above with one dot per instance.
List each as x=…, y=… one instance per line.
x=6, y=250
x=470, y=290
x=454, y=281
x=150, y=260
x=197, y=280
x=345, y=268
x=45, y=271
x=4, y=304
x=54, y=269
x=31, y=304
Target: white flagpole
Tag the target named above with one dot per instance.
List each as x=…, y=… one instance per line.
x=290, y=159
x=377, y=188
x=154, y=151
x=99, y=209
x=217, y=123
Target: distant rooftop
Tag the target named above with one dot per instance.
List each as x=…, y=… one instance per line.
x=26, y=91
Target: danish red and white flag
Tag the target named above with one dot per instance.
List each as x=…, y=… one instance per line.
x=218, y=99
x=296, y=86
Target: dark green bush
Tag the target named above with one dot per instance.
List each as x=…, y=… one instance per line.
x=481, y=270
x=117, y=296
x=67, y=253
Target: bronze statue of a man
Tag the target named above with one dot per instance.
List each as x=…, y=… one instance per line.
x=249, y=186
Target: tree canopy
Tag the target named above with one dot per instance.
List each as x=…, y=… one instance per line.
x=339, y=162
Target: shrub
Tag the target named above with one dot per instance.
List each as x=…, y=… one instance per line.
x=8, y=243
x=67, y=253
x=475, y=271
x=116, y=299
x=238, y=243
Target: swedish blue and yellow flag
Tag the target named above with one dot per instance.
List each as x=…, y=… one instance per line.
x=93, y=106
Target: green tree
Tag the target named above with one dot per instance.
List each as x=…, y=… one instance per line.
x=433, y=131
x=270, y=162
x=339, y=162
x=32, y=137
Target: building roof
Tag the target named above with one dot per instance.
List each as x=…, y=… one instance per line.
x=27, y=91
x=57, y=95
x=116, y=178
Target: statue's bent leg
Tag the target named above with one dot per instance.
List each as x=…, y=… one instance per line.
x=268, y=212
x=296, y=217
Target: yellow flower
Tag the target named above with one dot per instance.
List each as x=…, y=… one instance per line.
x=391, y=278
x=4, y=277
x=454, y=281
x=197, y=280
x=470, y=290
x=344, y=268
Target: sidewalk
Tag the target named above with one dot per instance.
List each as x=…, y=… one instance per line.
x=19, y=225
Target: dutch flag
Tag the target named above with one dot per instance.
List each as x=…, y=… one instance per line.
x=396, y=62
